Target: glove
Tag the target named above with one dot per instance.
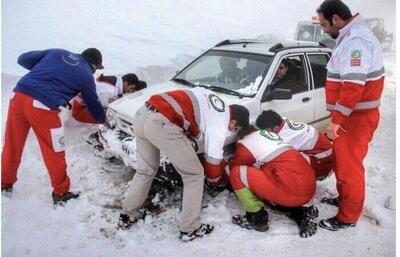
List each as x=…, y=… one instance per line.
x=217, y=187
x=65, y=113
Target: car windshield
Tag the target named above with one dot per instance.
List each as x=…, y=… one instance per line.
x=235, y=73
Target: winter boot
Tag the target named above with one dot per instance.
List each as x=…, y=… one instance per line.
x=310, y=211
x=7, y=190
x=63, y=198
x=304, y=217
x=125, y=221
x=202, y=231
x=334, y=224
x=253, y=220
x=307, y=227
x=331, y=201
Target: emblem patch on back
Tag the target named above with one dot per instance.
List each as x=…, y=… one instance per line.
x=355, y=58
x=71, y=59
x=295, y=125
x=217, y=103
x=270, y=135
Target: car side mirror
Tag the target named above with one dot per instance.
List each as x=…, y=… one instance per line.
x=277, y=94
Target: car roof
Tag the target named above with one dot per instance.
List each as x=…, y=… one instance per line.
x=268, y=47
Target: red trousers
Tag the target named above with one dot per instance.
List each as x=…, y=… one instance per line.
x=24, y=113
x=350, y=149
x=287, y=180
x=321, y=157
x=81, y=113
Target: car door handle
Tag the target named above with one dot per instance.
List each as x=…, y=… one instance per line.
x=305, y=99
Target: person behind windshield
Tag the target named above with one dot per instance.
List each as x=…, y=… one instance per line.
x=284, y=80
x=253, y=70
x=230, y=74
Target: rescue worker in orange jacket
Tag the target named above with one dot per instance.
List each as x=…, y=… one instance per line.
x=265, y=166
x=304, y=138
x=353, y=90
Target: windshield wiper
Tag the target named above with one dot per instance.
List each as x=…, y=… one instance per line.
x=214, y=88
x=184, y=81
x=221, y=89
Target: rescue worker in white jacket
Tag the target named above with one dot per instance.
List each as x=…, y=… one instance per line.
x=108, y=89
x=164, y=124
x=314, y=145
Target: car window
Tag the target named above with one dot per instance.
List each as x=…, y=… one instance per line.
x=306, y=33
x=242, y=72
x=320, y=35
x=291, y=74
x=318, y=65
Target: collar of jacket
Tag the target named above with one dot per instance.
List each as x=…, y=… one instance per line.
x=355, y=21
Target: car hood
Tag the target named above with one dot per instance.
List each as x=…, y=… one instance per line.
x=129, y=104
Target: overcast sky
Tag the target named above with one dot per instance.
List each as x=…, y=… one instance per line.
x=125, y=30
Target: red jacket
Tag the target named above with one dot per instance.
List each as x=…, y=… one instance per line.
x=355, y=72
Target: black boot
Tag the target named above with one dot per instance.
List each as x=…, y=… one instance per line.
x=7, y=190
x=63, y=198
x=307, y=227
x=304, y=217
x=125, y=221
x=297, y=213
x=253, y=220
x=258, y=220
x=331, y=201
x=311, y=212
x=334, y=224
x=202, y=231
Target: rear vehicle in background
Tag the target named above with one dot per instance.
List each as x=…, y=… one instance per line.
x=311, y=31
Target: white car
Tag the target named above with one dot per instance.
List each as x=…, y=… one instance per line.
x=252, y=65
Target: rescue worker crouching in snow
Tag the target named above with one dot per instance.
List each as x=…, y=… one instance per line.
x=304, y=138
x=265, y=168
x=164, y=124
x=108, y=88
x=55, y=77
x=353, y=91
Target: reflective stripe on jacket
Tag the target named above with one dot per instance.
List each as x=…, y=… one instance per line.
x=355, y=71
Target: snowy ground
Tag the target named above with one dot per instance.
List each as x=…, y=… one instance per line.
x=155, y=39
x=31, y=226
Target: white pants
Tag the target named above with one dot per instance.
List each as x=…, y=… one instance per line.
x=155, y=133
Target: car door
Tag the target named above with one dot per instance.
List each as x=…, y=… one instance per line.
x=318, y=62
x=301, y=107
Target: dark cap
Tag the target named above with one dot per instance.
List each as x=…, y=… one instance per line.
x=93, y=56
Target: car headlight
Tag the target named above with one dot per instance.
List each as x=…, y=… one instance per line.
x=111, y=117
